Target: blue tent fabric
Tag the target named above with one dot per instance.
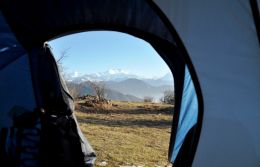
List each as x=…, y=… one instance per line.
x=207, y=35
x=10, y=49
x=161, y=32
x=17, y=71
x=87, y=149
x=15, y=94
x=16, y=87
x=188, y=113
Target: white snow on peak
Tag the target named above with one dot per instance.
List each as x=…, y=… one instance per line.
x=117, y=71
x=111, y=75
x=76, y=74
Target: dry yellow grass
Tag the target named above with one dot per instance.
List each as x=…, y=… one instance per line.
x=128, y=133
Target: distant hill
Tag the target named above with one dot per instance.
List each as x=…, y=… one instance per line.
x=115, y=95
x=165, y=80
x=138, y=88
x=123, y=86
x=118, y=75
x=85, y=89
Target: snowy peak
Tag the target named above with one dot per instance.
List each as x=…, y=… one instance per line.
x=109, y=75
x=118, y=75
x=120, y=83
x=76, y=74
x=117, y=71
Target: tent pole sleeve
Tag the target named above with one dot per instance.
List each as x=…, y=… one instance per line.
x=255, y=12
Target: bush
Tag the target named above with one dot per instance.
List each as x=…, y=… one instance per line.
x=148, y=99
x=168, y=97
x=99, y=88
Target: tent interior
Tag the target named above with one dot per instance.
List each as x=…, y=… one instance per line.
x=211, y=48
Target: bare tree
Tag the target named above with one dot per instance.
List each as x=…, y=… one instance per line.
x=60, y=61
x=168, y=97
x=63, y=54
x=161, y=99
x=75, y=89
x=99, y=88
x=148, y=99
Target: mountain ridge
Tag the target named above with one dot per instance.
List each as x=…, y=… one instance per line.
x=122, y=85
x=118, y=75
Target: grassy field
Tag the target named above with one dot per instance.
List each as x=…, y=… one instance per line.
x=127, y=134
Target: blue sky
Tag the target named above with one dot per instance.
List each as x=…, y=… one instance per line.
x=99, y=51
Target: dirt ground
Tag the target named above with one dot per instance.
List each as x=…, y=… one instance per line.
x=127, y=133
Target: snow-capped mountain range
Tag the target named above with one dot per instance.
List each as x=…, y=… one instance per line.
x=118, y=75
x=123, y=85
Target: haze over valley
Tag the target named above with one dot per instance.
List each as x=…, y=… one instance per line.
x=122, y=85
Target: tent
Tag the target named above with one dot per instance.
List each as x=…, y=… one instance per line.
x=212, y=48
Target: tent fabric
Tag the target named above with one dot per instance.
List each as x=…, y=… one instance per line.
x=53, y=97
x=86, y=147
x=14, y=68
x=255, y=7
x=74, y=16
x=188, y=113
x=221, y=39
x=132, y=19
x=16, y=99
x=9, y=45
x=216, y=39
x=20, y=94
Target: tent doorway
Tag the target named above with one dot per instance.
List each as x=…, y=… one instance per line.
x=209, y=43
x=142, y=19
x=137, y=101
